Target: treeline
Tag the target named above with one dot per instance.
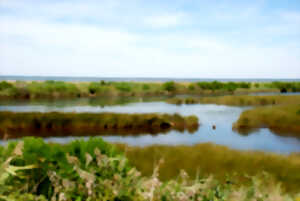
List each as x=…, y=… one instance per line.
x=285, y=86
x=228, y=86
x=60, y=89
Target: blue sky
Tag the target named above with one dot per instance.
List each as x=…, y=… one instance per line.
x=136, y=38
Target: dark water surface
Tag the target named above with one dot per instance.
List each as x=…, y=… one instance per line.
x=208, y=114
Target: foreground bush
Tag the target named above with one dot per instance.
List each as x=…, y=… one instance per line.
x=94, y=170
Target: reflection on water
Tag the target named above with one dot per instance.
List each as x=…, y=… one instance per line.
x=221, y=116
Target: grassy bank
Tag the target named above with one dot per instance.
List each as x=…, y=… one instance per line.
x=19, y=124
x=220, y=161
x=283, y=120
x=32, y=170
x=239, y=100
x=59, y=89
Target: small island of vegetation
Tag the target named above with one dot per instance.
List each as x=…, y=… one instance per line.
x=18, y=124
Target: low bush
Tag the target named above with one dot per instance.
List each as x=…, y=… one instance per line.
x=5, y=85
x=169, y=86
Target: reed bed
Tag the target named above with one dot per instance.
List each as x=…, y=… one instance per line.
x=283, y=120
x=209, y=159
x=17, y=124
x=243, y=100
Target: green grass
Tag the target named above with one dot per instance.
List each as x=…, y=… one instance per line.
x=239, y=100
x=59, y=89
x=209, y=159
x=60, y=124
x=32, y=170
x=285, y=86
x=283, y=120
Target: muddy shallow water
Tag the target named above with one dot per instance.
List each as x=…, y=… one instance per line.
x=220, y=116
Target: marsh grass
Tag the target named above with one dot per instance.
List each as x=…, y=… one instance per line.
x=33, y=170
x=239, y=100
x=56, y=123
x=283, y=120
x=220, y=161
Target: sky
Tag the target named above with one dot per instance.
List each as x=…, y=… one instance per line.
x=157, y=38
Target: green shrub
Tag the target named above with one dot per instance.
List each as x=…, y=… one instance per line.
x=169, y=86
x=5, y=85
x=94, y=87
x=146, y=87
x=191, y=87
x=123, y=86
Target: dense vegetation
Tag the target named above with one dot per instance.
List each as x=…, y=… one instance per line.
x=283, y=120
x=285, y=86
x=32, y=170
x=239, y=100
x=19, y=124
x=209, y=159
x=59, y=89
x=228, y=86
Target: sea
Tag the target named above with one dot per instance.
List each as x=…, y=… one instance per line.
x=137, y=79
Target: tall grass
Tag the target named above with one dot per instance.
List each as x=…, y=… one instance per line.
x=54, y=123
x=32, y=170
x=283, y=120
x=239, y=100
x=210, y=159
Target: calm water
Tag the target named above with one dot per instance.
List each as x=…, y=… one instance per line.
x=221, y=116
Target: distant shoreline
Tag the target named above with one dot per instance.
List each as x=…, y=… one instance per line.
x=135, y=79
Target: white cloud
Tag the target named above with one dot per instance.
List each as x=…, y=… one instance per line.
x=34, y=42
x=166, y=20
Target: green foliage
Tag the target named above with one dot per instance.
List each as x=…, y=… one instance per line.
x=59, y=89
x=191, y=87
x=33, y=170
x=229, y=86
x=288, y=86
x=51, y=89
x=123, y=86
x=5, y=85
x=50, y=169
x=94, y=87
x=146, y=87
x=169, y=86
